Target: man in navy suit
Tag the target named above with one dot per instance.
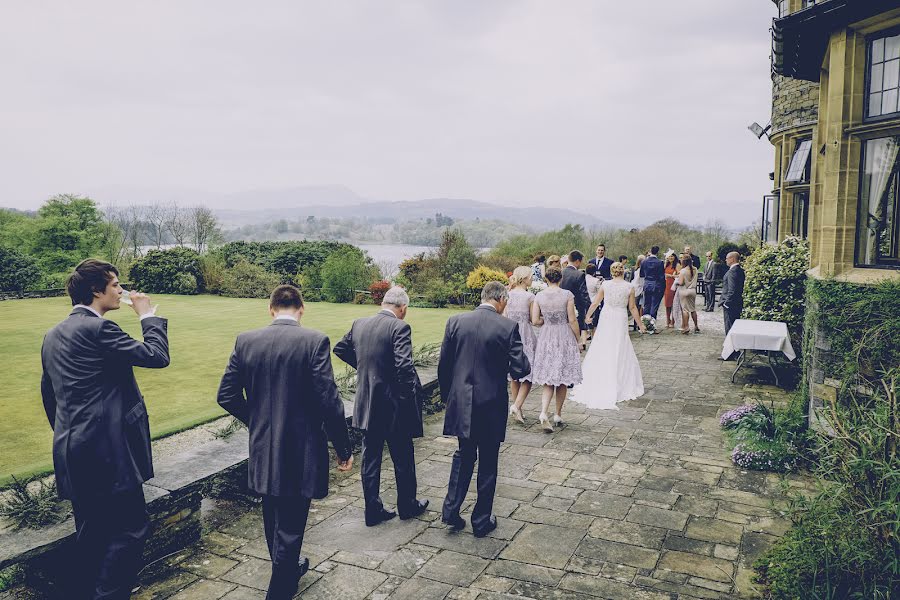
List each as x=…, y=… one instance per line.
x=101, y=437
x=279, y=383
x=654, y=282
x=602, y=262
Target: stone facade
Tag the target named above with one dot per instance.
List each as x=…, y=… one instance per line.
x=795, y=103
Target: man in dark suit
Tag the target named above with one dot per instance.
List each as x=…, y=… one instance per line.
x=695, y=260
x=387, y=405
x=291, y=403
x=480, y=349
x=654, y=282
x=732, y=298
x=574, y=281
x=101, y=437
x=709, y=282
x=602, y=262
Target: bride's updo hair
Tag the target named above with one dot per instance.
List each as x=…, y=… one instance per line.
x=617, y=269
x=554, y=274
x=520, y=276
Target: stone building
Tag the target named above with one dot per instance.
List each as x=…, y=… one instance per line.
x=836, y=133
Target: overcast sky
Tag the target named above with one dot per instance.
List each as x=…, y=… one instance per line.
x=585, y=104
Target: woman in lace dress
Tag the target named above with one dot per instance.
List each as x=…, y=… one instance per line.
x=557, y=358
x=687, y=293
x=519, y=310
x=611, y=368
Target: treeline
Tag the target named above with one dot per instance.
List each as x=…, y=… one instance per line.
x=420, y=232
x=38, y=250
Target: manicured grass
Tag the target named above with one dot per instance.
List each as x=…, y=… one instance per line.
x=202, y=330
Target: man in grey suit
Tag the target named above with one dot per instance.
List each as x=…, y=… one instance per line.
x=480, y=349
x=101, y=437
x=387, y=405
x=732, y=298
x=291, y=403
x=709, y=282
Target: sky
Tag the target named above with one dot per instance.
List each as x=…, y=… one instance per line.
x=590, y=105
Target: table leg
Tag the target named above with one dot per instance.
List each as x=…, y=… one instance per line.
x=772, y=366
x=740, y=361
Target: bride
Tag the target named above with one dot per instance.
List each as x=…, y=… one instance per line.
x=610, y=370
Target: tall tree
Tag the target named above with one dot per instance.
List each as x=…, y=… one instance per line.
x=204, y=227
x=157, y=215
x=178, y=224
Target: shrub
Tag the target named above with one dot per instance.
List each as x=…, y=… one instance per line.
x=455, y=256
x=775, y=289
x=18, y=272
x=344, y=272
x=185, y=284
x=212, y=266
x=158, y=271
x=481, y=275
x=766, y=438
x=32, y=509
x=378, y=289
x=246, y=280
x=723, y=250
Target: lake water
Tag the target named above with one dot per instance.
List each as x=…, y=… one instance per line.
x=395, y=253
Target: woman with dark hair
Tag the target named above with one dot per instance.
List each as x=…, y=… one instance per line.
x=671, y=268
x=687, y=293
x=557, y=358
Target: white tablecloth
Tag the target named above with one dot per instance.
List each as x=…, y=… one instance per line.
x=758, y=335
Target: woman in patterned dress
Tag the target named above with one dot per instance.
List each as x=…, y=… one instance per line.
x=557, y=358
x=519, y=310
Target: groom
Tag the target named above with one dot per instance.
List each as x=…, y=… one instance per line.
x=654, y=282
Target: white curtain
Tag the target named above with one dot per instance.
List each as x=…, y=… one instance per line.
x=881, y=156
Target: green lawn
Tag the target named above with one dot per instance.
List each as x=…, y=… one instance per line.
x=202, y=330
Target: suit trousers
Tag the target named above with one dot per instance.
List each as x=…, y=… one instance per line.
x=403, y=457
x=731, y=315
x=284, y=519
x=709, y=293
x=110, y=532
x=652, y=300
x=487, y=453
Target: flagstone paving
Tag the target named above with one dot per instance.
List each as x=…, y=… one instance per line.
x=639, y=503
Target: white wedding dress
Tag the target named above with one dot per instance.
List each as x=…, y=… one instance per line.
x=611, y=372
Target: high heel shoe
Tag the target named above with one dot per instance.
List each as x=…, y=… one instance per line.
x=545, y=423
x=557, y=420
x=516, y=414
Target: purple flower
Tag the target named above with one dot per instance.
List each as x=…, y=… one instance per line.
x=734, y=415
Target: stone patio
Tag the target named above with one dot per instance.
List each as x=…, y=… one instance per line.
x=639, y=503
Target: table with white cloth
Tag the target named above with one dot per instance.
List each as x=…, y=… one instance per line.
x=770, y=337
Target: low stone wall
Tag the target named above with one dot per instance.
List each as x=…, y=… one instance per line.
x=14, y=295
x=174, y=496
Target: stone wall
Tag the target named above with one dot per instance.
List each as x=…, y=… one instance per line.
x=795, y=103
x=821, y=366
x=51, y=293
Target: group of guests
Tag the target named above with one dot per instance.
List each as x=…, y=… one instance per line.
x=278, y=382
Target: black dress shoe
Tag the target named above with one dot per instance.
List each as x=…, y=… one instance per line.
x=455, y=522
x=492, y=525
x=302, y=567
x=380, y=516
x=416, y=509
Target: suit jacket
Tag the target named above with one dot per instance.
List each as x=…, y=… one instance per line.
x=732, y=297
x=654, y=274
x=480, y=349
x=695, y=260
x=291, y=403
x=387, y=390
x=101, y=436
x=574, y=281
x=602, y=266
x=709, y=274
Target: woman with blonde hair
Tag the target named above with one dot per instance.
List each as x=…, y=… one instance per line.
x=553, y=263
x=611, y=368
x=519, y=310
x=557, y=357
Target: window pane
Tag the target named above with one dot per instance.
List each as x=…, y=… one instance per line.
x=892, y=47
x=891, y=74
x=889, y=102
x=877, y=202
x=876, y=77
x=878, y=50
x=875, y=105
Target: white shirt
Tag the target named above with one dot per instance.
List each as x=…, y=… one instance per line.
x=593, y=285
x=152, y=312
x=284, y=316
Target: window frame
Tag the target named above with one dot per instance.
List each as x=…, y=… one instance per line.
x=870, y=43
x=771, y=206
x=892, y=263
x=806, y=173
x=800, y=199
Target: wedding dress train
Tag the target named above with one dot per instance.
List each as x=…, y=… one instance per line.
x=611, y=372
